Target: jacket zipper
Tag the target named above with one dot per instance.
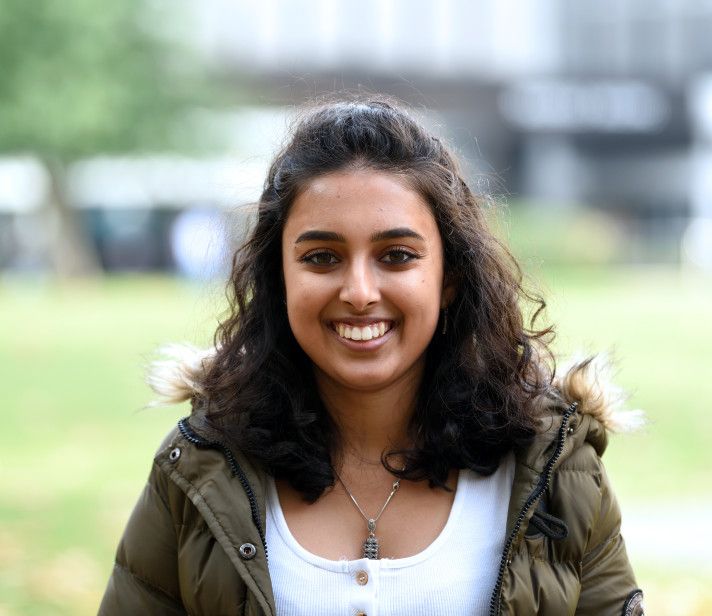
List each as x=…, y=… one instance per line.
x=237, y=471
x=543, y=484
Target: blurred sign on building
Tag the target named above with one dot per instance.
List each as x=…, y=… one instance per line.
x=600, y=103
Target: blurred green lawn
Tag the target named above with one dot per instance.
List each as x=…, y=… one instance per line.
x=76, y=442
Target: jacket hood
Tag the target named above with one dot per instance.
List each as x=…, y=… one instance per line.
x=589, y=382
x=177, y=376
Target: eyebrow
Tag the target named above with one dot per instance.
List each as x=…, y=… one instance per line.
x=379, y=236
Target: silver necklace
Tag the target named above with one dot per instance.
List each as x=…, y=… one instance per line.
x=371, y=546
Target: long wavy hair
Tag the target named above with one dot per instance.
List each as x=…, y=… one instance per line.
x=477, y=399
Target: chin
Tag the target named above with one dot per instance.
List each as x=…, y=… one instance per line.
x=365, y=384
x=363, y=381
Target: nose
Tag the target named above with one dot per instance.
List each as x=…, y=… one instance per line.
x=360, y=286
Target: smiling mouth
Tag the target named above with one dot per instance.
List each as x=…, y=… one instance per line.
x=365, y=332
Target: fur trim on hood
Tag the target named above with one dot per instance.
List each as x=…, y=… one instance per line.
x=177, y=377
x=589, y=382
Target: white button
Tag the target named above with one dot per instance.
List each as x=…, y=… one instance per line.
x=361, y=578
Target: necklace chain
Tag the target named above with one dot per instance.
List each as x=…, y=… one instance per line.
x=396, y=485
x=370, y=545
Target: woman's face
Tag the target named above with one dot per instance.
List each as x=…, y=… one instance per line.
x=363, y=270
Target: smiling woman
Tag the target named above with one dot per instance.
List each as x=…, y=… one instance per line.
x=376, y=412
x=363, y=299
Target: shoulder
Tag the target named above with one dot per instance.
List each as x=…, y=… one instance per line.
x=180, y=468
x=193, y=452
x=195, y=462
x=576, y=418
x=566, y=553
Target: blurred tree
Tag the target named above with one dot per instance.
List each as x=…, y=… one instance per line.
x=81, y=77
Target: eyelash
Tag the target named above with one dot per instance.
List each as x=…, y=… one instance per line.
x=310, y=256
x=411, y=256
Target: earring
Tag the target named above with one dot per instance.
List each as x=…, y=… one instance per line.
x=443, y=331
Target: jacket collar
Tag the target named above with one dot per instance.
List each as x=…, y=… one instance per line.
x=203, y=473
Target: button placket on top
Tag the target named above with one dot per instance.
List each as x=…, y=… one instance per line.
x=364, y=587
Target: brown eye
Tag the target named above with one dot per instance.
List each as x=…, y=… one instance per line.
x=319, y=258
x=399, y=256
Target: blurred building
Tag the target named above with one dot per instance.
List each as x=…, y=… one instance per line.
x=570, y=102
x=604, y=103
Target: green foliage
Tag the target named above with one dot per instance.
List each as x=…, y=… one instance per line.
x=83, y=76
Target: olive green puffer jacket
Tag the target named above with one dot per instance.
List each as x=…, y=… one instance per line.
x=195, y=541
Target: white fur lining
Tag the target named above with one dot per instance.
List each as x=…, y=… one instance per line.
x=588, y=381
x=178, y=375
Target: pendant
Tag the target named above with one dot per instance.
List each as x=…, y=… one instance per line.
x=370, y=546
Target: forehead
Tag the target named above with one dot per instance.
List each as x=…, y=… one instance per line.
x=360, y=199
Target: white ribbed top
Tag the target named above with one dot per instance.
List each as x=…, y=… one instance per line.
x=453, y=576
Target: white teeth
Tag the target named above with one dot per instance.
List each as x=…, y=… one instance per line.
x=367, y=332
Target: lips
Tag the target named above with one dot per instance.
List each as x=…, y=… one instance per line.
x=367, y=331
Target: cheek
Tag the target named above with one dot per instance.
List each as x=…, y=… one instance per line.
x=305, y=303
x=421, y=296
x=293, y=284
x=303, y=290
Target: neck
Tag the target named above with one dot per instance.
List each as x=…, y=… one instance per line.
x=370, y=422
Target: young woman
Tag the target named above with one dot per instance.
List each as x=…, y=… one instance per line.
x=376, y=413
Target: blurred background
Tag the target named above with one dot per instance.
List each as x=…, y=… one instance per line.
x=135, y=135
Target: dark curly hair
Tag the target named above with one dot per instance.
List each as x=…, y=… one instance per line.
x=477, y=399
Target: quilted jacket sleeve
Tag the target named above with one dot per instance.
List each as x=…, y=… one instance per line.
x=608, y=584
x=145, y=575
